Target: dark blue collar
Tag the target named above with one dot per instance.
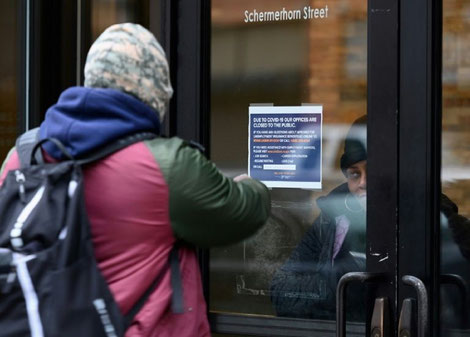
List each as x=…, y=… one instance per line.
x=85, y=119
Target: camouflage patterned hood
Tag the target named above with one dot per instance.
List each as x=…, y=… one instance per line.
x=85, y=119
x=127, y=57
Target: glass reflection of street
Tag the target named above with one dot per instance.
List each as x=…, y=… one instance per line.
x=317, y=60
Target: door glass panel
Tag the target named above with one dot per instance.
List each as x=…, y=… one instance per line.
x=8, y=76
x=105, y=13
x=291, y=54
x=455, y=177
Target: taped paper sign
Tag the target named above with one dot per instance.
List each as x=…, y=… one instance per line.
x=285, y=146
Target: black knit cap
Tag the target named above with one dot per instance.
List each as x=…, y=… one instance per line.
x=355, y=144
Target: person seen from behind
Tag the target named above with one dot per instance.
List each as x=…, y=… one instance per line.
x=305, y=286
x=145, y=198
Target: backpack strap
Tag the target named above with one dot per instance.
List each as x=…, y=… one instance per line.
x=177, y=302
x=114, y=146
x=24, y=147
x=197, y=146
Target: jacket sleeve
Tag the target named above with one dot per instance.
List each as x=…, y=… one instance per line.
x=302, y=286
x=208, y=209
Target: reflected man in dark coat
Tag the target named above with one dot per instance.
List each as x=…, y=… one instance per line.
x=305, y=285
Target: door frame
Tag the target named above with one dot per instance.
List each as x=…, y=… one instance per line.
x=383, y=157
x=420, y=152
x=404, y=95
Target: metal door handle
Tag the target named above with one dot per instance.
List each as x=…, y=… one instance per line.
x=423, y=308
x=380, y=323
x=461, y=284
x=406, y=324
x=458, y=281
x=341, y=294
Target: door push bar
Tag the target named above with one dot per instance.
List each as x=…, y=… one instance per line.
x=461, y=284
x=406, y=323
x=404, y=329
x=380, y=314
x=380, y=323
x=362, y=277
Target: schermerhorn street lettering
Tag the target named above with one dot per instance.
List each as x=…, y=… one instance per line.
x=306, y=13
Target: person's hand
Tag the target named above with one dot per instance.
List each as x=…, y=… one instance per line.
x=241, y=177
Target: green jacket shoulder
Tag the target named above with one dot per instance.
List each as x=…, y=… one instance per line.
x=207, y=208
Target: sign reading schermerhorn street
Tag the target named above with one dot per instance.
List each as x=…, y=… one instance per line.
x=305, y=13
x=285, y=146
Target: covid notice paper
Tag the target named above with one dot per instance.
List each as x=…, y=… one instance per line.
x=285, y=146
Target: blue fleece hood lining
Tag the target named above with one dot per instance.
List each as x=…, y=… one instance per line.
x=84, y=119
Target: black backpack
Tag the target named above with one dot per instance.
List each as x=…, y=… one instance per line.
x=50, y=283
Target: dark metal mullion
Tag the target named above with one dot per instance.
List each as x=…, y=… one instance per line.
x=169, y=41
x=420, y=126
x=382, y=158
x=186, y=65
x=84, y=37
x=186, y=39
x=205, y=63
x=435, y=22
x=33, y=103
x=22, y=67
x=204, y=115
x=79, y=44
x=155, y=18
x=243, y=325
x=53, y=53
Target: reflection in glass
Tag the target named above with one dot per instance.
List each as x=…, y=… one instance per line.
x=105, y=13
x=312, y=234
x=305, y=286
x=455, y=178
x=8, y=76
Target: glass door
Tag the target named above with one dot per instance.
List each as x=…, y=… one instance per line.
x=289, y=83
x=289, y=105
x=455, y=174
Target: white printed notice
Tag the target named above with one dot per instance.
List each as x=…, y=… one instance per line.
x=285, y=146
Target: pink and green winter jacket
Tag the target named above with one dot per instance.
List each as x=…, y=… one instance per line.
x=143, y=198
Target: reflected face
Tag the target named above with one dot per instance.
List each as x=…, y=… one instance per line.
x=357, y=178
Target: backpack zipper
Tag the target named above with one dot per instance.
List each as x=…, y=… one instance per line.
x=20, y=179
